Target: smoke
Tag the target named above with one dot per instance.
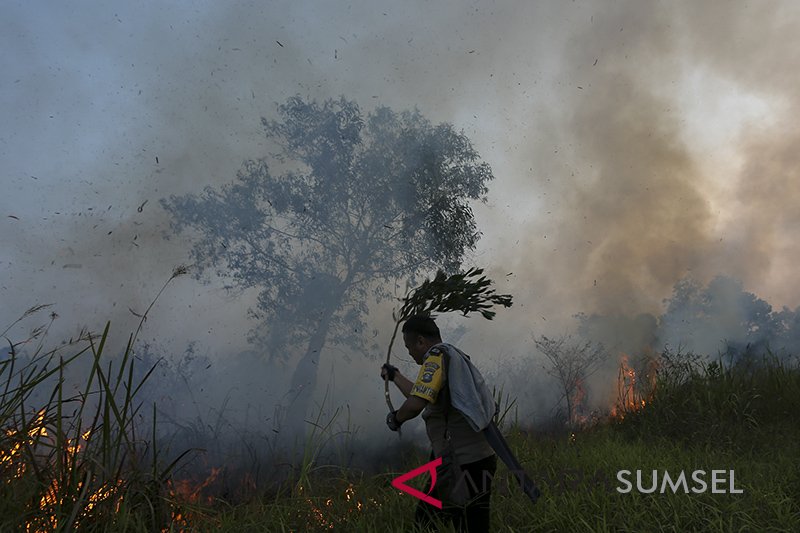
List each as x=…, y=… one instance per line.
x=664, y=156
x=673, y=162
x=634, y=144
x=645, y=204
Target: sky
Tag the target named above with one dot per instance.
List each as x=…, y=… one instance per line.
x=633, y=144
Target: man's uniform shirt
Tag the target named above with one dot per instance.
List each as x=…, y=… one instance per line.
x=431, y=383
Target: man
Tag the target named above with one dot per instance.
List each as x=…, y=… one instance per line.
x=451, y=433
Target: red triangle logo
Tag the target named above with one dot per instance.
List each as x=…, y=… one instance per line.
x=399, y=482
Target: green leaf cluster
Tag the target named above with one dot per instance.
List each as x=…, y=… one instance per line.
x=465, y=292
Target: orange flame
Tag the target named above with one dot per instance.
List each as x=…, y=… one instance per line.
x=186, y=491
x=53, y=496
x=630, y=396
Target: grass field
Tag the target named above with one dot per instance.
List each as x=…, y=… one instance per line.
x=79, y=462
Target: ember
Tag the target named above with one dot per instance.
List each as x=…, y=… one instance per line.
x=332, y=512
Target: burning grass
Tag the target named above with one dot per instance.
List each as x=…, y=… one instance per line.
x=695, y=401
x=75, y=461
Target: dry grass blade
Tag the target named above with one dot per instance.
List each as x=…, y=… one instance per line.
x=32, y=311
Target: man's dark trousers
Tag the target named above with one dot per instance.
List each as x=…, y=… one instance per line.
x=472, y=517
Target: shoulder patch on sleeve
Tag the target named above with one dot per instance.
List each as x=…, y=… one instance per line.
x=431, y=377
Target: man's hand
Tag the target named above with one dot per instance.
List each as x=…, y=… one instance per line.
x=388, y=371
x=392, y=422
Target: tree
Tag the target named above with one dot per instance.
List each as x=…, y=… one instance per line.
x=700, y=318
x=571, y=362
x=349, y=204
x=790, y=326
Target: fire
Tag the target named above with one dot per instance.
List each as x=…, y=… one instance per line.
x=58, y=495
x=183, y=492
x=631, y=394
x=39, y=437
x=35, y=433
x=186, y=491
x=70, y=484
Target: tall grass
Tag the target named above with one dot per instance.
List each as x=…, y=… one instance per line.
x=76, y=460
x=744, y=404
